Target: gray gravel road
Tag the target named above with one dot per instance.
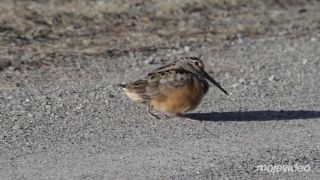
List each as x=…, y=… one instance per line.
x=80, y=125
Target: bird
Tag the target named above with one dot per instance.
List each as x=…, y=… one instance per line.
x=175, y=88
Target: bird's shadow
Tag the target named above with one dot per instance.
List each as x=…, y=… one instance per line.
x=268, y=115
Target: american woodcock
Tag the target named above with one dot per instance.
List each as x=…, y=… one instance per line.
x=175, y=88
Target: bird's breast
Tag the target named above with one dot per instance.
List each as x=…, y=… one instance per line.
x=181, y=99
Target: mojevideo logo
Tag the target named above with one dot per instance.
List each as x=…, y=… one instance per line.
x=283, y=168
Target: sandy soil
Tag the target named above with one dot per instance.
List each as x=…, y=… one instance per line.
x=62, y=115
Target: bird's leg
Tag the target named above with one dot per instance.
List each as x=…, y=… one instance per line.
x=173, y=115
x=150, y=113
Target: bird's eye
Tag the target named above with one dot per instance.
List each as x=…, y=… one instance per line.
x=196, y=63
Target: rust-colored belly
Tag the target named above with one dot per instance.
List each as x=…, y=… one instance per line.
x=180, y=99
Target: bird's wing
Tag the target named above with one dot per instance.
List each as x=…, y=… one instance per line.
x=158, y=83
x=161, y=82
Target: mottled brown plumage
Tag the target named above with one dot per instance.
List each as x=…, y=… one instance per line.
x=175, y=88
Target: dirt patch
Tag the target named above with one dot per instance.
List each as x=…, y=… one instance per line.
x=47, y=29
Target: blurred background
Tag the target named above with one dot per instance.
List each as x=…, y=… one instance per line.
x=36, y=34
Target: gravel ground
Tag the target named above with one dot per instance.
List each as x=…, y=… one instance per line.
x=87, y=128
x=69, y=120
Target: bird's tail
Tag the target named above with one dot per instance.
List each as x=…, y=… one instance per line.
x=123, y=86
